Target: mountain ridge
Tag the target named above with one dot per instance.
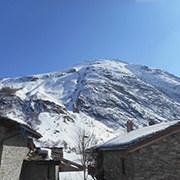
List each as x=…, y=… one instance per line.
x=99, y=95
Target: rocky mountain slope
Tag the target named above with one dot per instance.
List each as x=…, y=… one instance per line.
x=99, y=96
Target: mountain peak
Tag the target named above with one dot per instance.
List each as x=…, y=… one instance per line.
x=100, y=95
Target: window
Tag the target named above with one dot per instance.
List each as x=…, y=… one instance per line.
x=123, y=166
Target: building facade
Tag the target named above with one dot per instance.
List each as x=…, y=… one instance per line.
x=13, y=147
x=42, y=164
x=152, y=153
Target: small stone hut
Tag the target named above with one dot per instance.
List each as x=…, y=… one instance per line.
x=42, y=164
x=46, y=163
x=14, y=138
x=148, y=153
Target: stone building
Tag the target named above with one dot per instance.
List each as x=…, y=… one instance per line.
x=14, y=138
x=148, y=153
x=42, y=164
x=46, y=164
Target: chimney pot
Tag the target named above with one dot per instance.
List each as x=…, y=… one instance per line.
x=129, y=126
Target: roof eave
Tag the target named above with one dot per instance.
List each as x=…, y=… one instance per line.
x=31, y=132
x=12, y=124
x=143, y=143
x=153, y=139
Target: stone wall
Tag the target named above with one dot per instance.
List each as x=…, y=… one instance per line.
x=13, y=151
x=2, y=135
x=158, y=161
x=112, y=165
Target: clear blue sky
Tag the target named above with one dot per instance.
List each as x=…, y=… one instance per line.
x=39, y=36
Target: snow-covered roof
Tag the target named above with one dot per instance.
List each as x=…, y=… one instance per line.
x=25, y=129
x=45, y=154
x=126, y=140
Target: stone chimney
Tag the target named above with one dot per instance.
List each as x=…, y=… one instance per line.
x=129, y=126
x=57, y=153
x=151, y=122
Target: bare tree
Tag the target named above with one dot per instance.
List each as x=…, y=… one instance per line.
x=85, y=139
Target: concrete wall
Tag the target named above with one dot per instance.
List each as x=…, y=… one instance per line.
x=158, y=161
x=13, y=151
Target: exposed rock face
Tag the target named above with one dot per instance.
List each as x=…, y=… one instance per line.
x=117, y=94
x=92, y=94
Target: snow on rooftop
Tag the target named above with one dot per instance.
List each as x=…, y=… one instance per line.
x=10, y=116
x=138, y=135
x=46, y=151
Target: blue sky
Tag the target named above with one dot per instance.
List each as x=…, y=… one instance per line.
x=40, y=36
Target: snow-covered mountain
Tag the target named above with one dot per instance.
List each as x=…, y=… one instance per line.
x=99, y=96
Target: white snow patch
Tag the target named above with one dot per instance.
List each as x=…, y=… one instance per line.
x=46, y=151
x=76, y=175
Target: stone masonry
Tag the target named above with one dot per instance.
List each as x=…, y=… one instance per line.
x=13, y=150
x=157, y=161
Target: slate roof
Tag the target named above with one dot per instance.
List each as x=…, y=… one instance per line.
x=141, y=137
x=25, y=129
